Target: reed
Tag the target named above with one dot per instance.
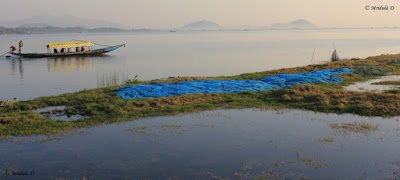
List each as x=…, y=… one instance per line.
x=111, y=79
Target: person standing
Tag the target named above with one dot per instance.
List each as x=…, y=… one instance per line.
x=21, y=44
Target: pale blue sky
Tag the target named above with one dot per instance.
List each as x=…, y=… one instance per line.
x=175, y=13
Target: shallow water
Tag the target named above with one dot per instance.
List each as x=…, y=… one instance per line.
x=369, y=86
x=222, y=143
x=153, y=55
x=58, y=113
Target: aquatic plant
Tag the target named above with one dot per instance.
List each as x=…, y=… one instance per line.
x=310, y=162
x=355, y=127
x=326, y=140
x=157, y=130
x=205, y=125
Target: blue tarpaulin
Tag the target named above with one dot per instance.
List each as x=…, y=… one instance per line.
x=229, y=86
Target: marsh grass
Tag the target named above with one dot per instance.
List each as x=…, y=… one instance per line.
x=326, y=140
x=205, y=125
x=116, y=78
x=356, y=127
x=109, y=79
x=392, y=91
x=142, y=130
x=310, y=162
x=102, y=106
x=157, y=129
x=7, y=103
x=166, y=126
x=257, y=170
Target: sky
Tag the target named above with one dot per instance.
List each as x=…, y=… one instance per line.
x=227, y=13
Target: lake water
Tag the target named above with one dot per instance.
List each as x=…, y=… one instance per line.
x=234, y=144
x=153, y=55
x=223, y=143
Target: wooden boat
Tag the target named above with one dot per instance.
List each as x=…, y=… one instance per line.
x=69, y=49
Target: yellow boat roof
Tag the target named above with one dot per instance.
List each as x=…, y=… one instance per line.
x=69, y=45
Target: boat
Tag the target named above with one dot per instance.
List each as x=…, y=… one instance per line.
x=69, y=49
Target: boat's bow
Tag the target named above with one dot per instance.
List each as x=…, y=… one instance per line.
x=112, y=48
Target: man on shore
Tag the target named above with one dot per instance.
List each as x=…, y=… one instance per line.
x=20, y=47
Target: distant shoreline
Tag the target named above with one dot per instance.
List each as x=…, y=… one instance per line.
x=65, y=30
x=58, y=30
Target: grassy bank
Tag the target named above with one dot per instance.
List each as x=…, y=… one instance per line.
x=102, y=106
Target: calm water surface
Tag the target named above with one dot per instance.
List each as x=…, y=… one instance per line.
x=153, y=55
x=223, y=143
x=234, y=144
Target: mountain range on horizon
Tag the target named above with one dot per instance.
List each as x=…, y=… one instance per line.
x=209, y=25
x=201, y=25
x=40, y=21
x=296, y=24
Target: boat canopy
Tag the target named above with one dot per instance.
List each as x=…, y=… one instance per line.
x=69, y=45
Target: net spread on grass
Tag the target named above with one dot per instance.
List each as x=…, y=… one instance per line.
x=231, y=86
x=370, y=70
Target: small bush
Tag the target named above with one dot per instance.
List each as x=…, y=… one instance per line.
x=7, y=103
x=131, y=81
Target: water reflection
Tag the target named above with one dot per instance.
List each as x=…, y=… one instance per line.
x=17, y=62
x=27, y=78
x=230, y=144
x=64, y=64
x=70, y=64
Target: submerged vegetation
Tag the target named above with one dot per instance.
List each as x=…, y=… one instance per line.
x=157, y=130
x=310, y=162
x=355, y=127
x=326, y=140
x=102, y=106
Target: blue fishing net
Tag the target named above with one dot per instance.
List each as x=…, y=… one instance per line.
x=230, y=86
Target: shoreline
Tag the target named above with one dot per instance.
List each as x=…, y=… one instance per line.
x=102, y=106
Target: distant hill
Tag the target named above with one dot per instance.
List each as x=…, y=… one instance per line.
x=297, y=24
x=34, y=25
x=202, y=25
x=51, y=29
x=62, y=21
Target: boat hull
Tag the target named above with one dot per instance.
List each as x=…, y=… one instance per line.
x=95, y=52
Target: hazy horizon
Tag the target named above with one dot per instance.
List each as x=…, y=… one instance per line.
x=227, y=13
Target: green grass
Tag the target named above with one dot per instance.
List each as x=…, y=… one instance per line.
x=393, y=91
x=102, y=106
